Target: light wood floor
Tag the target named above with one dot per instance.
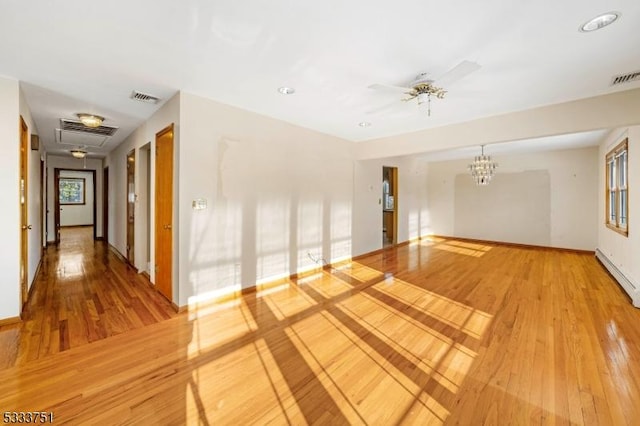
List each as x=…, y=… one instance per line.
x=438, y=332
x=83, y=293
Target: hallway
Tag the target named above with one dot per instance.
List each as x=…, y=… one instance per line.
x=83, y=293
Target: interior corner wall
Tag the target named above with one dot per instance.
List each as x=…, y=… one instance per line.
x=622, y=251
x=278, y=198
x=9, y=182
x=545, y=198
x=116, y=161
x=367, y=195
x=70, y=163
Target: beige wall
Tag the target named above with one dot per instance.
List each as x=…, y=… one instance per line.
x=9, y=182
x=544, y=198
x=367, y=208
x=622, y=251
x=276, y=193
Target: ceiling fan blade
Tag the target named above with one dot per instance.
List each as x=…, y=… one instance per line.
x=390, y=88
x=456, y=73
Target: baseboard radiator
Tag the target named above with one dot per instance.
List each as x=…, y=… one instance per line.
x=632, y=290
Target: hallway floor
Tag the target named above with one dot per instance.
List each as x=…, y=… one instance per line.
x=82, y=293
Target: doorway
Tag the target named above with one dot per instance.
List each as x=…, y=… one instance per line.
x=389, y=206
x=77, y=197
x=24, y=213
x=105, y=205
x=164, y=212
x=43, y=202
x=143, y=242
x=131, y=205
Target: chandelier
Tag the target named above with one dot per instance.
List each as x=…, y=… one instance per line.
x=482, y=168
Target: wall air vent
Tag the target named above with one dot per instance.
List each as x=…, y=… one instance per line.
x=77, y=126
x=625, y=78
x=144, y=97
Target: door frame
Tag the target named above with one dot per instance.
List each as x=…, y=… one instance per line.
x=24, y=213
x=393, y=190
x=131, y=209
x=105, y=204
x=43, y=202
x=56, y=200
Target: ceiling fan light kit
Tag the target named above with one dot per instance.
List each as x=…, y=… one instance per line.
x=423, y=88
x=90, y=120
x=423, y=92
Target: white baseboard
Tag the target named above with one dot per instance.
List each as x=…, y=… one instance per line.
x=632, y=290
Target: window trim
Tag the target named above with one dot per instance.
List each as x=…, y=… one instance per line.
x=613, y=157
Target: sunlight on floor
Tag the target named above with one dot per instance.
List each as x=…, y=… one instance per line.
x=343, y=345
x=454, y=246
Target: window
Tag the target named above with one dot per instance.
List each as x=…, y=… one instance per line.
x=71, y=191
x=617, y=197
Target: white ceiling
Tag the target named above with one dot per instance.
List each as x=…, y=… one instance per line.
x=81, y=56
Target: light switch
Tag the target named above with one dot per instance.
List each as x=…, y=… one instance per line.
x=199, y=204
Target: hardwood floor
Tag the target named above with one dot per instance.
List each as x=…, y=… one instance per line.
x=83, y=293
x=437, y=332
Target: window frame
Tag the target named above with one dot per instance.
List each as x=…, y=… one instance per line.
x=83, y=186
x=617, y=182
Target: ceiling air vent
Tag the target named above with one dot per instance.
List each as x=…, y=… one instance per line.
x=77, y=126
x=143, y=97
x=625, y=78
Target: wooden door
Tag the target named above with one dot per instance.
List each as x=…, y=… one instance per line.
x=24, y=212
x=131, y=205
x=164, y=211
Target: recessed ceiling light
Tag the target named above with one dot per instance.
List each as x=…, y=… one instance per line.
x=364, y=124
x=599, y=21
x=286, y=90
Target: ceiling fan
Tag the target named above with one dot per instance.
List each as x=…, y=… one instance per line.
x=423, y=87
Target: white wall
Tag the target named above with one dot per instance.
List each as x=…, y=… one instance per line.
x=367, y=211
x=275, y=194
x=81, y=214
x=10, y=216
x=544, y=198
x=70, y=163
x=622, y=251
